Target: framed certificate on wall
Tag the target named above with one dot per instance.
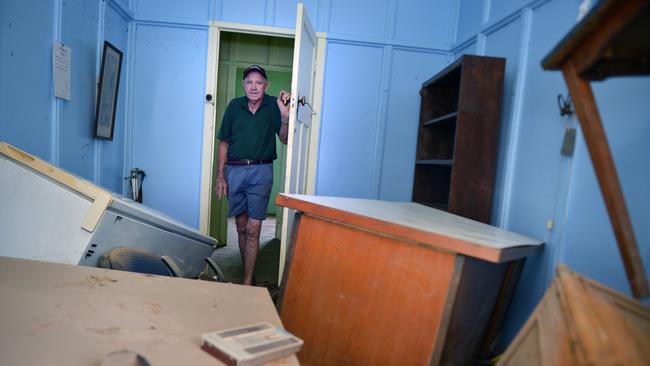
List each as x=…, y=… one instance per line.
x=109, y=83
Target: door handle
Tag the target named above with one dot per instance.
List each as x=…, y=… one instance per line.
x=303, y=101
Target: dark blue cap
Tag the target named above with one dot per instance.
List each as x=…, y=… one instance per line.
x=252, y=68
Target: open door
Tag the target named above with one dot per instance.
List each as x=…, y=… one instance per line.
x=300, y=121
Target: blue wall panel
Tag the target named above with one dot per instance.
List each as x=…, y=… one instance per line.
x=350, y=114
x=112, y=152
x=360, y=18
x=470, y=48
x=470, y=19
x=76, y=125
x=425, y=22
x=501, y=8
x=169, y=82
x=30, y=116
x=285, y=12
x=505, y=42
x=243, y=11
x=410, y=69
x=187, y=10
x=123, y=4
x=26, y=75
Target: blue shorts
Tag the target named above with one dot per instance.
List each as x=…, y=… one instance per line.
x=249, y=189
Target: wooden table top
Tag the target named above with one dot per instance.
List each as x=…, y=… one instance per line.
x=418, y=223
x=613, y=39
x=59, y=314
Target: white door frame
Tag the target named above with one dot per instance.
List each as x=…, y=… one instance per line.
x=209, y=111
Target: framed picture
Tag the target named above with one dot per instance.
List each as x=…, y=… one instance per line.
x=109, y=83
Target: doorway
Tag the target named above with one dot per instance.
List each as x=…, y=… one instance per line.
x=307, y=78
x=237, y=51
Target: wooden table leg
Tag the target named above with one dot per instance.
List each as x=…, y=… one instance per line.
x=596, y=140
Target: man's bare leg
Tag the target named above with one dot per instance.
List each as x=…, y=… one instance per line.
x=241, y=221
x=248, y=235
x=253, y=229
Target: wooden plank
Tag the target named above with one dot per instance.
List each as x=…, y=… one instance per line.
x=607, y=326
x=592, y=128
x=581, y=322
x=543, y=340
x=359, y=298
x=418, y=224
x=58, y=314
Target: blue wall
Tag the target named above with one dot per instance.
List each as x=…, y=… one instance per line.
x=535, y=184
x=169, y=78
x=31, y=118
x=394, y=47
x=26, y=101
x=373, y=70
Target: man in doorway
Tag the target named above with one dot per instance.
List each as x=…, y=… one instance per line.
x=246, y=153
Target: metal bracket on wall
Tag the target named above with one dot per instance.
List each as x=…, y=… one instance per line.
x=566, y=112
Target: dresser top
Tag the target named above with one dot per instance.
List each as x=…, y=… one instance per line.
x=419, y=224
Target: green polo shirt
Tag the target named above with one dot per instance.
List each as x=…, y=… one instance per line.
x=251, y=136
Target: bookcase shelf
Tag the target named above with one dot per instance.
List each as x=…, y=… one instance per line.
x=458, y=137
x=444, y=162
x=446, y=118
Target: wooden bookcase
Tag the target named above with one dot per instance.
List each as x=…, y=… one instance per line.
x=458, y=137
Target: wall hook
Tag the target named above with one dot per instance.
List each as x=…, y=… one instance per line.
x=564, y=105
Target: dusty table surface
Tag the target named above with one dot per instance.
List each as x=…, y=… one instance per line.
x=58, y=314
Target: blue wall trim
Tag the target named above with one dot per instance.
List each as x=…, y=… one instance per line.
x=127, y=14
x=512, y=136
x=173, y=22
x=380, y=132
x=464, y=44
x=364, y=42
x=55, y=111
x=168, y=23
x=494, y=25
x=127, y=163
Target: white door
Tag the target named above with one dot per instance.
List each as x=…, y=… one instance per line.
x=300, y=120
